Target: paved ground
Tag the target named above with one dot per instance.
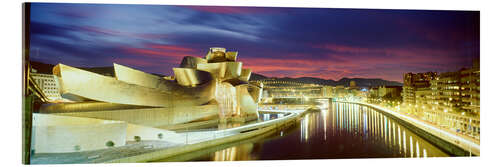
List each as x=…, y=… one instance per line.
x=97, y=156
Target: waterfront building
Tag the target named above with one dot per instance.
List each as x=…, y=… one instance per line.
x=340, y=91
x=198, y=81
x=133, y=102
x=424, y=97
x=446, y=89
x=387, y=93
x=451, y=100
x=412, y=82
x=392, y=93
x=470, y=88
x=49, y=85
x=373, y=95
x=327, y=91
x=457, y=91
x=457, y=95
x=352, y=85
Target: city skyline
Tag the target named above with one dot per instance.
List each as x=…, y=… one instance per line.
x=276, y=42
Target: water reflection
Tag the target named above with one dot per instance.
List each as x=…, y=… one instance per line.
x=233, y=153
x=339, y=131
x=270, y=116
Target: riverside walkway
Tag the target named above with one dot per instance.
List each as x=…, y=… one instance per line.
x=201, y=140
x=189, y=139
x=464, y=143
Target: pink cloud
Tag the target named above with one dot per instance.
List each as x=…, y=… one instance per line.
x=295, y=67
x=353, y=61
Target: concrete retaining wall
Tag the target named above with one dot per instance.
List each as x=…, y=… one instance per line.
x=57, y=134
x=148, y=133
x=162, y=154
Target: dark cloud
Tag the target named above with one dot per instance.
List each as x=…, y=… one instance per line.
x=294, y=42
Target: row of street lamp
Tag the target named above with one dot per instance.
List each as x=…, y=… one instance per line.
x=413, y=110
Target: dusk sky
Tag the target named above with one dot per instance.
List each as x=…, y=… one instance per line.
x=293, y=42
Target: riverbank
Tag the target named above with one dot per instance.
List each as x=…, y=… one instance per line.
x=237, y=134
x=446, y=141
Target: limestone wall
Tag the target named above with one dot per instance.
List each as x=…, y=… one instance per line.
x=149, y=133
x=56, y=134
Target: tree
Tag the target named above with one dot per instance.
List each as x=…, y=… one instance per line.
x=110, y=143
x=77, y=148
x=160, y=135
x=137, y=138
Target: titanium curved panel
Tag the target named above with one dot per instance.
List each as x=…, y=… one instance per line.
x=133, y=76
x=191, y=62
x=246, y=104
x=153, y=117
x=191, y=77
x=231, y=56
x=108, y=89
x=255, y=91
x=245, y=74
x=85, y=107
x=222, y=70
x=216, y=54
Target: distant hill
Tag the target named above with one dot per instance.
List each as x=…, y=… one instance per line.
x=360, y=82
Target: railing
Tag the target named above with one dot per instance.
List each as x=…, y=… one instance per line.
x=201, y=136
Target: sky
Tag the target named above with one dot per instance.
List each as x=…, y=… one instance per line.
x=324, y=43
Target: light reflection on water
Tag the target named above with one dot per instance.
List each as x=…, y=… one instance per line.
x=340, y=131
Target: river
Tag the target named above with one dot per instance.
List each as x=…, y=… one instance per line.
x=338, y=131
